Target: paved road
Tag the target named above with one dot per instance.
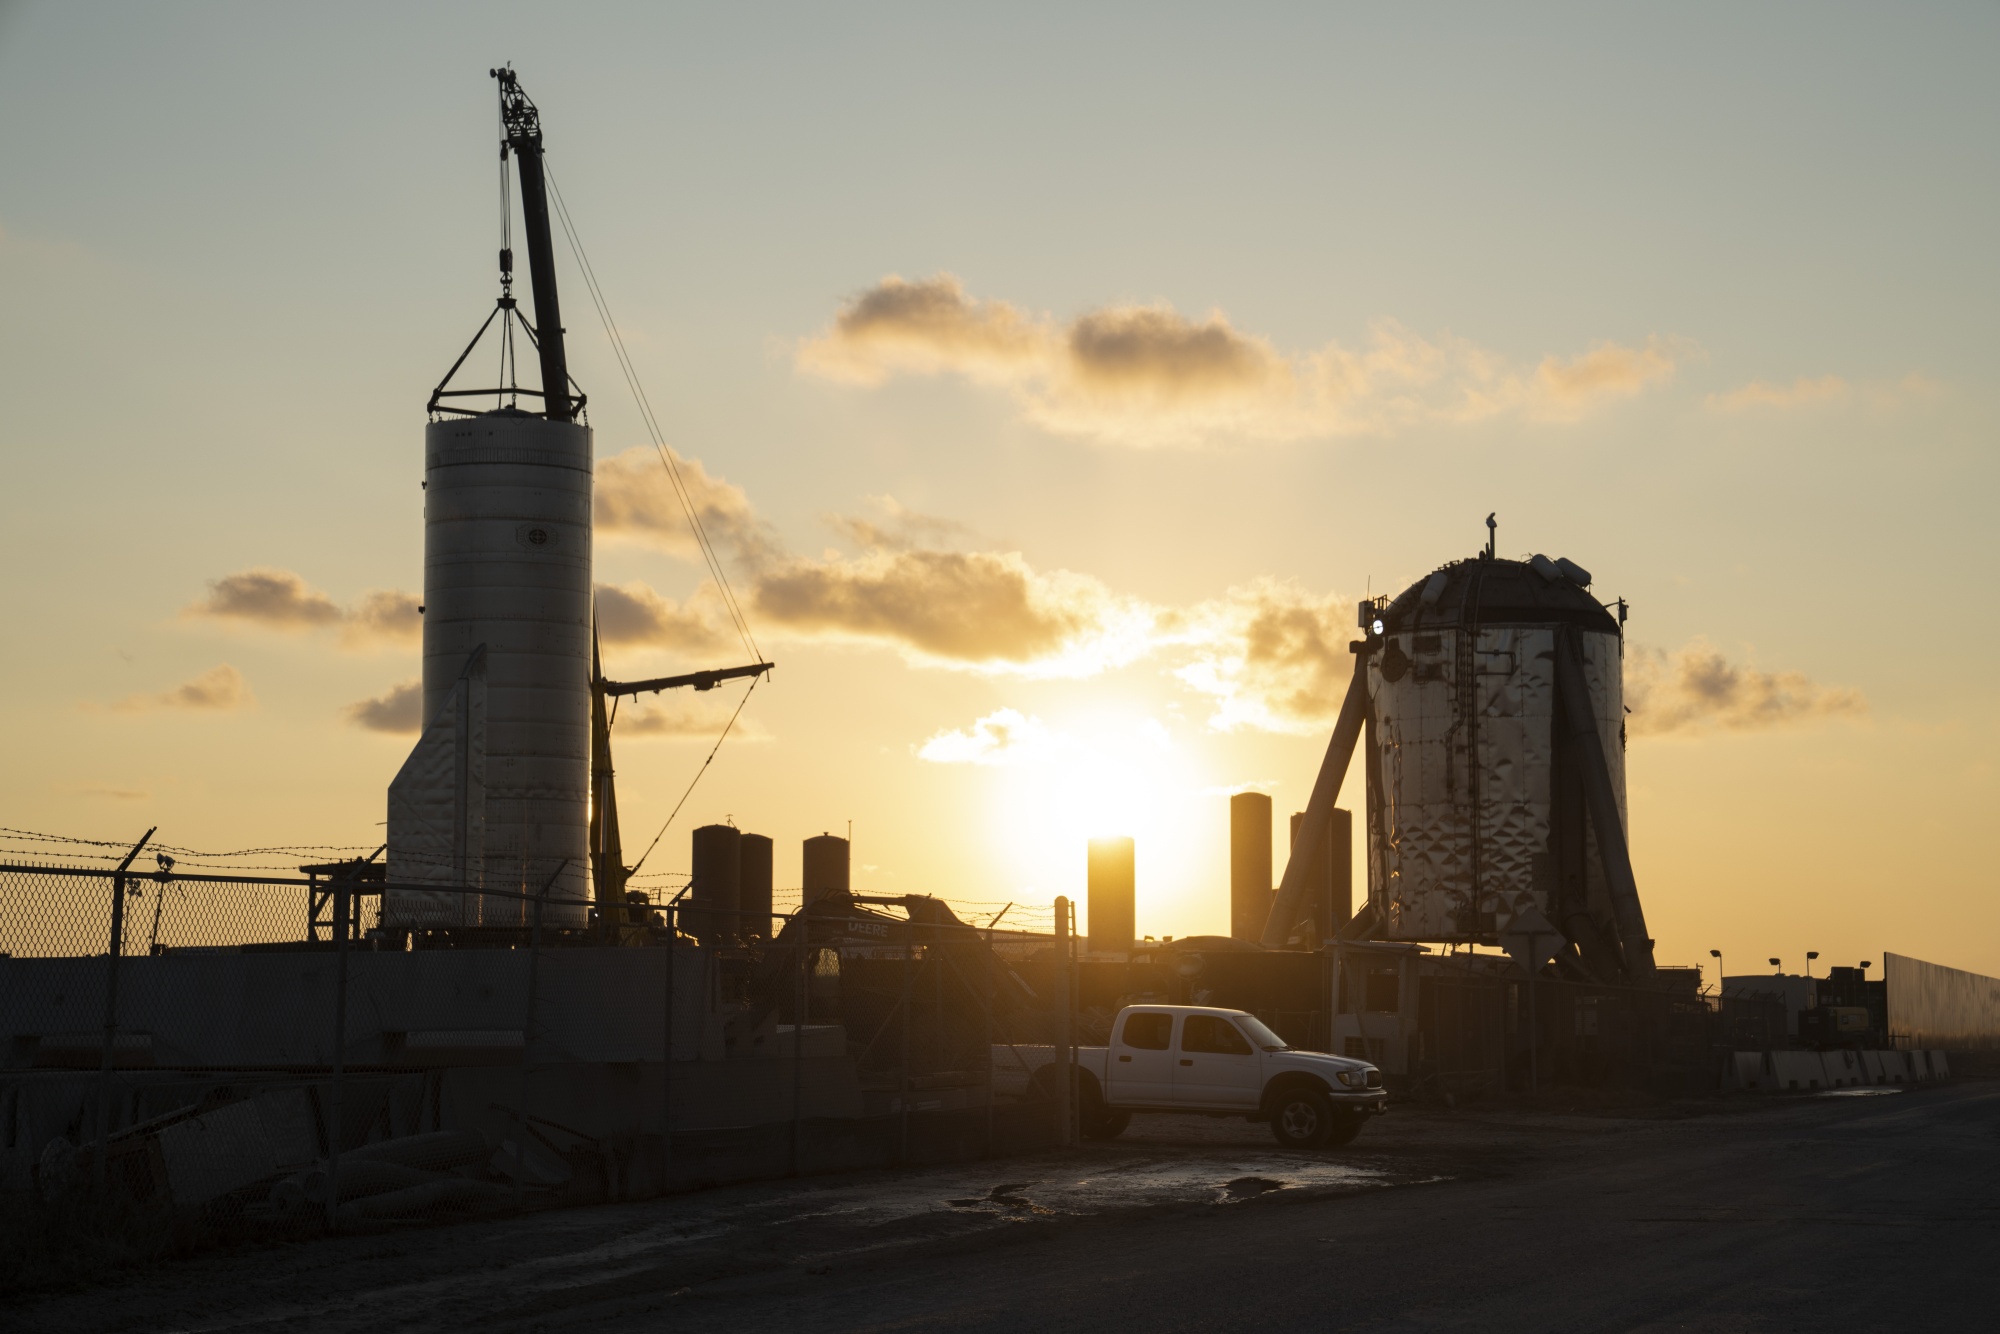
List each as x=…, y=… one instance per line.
x=1829, y=1212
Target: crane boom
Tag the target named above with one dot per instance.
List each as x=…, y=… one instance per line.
x=522, y=127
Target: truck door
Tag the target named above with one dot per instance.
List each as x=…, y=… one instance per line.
x=1215, y=1065
x=1141, y=1070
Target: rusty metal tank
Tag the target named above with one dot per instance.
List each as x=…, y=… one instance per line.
x=1477, y=806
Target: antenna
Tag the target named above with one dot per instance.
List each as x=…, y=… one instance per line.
x=1492, y=532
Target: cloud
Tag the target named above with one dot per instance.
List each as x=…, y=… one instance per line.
x=633, y=613
x=399, y=711
x=1695, y=689
x=221, y=688
x=928, y=327
x=1149, y=375
x=1799, y=393
x=1824, y=390
x=383, y=616
x=980, y=609
x=998, y=738
x=276, y=599
x=1273, y=657
x=112, y=793
x=896, y=527
x=635, y=501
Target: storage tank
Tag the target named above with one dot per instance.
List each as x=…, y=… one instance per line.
x=1249, y=864
x=825, y=866
x=1480, y=788
x=507, y=547
x=715, y=895
x=1329, y=896
x=507, y=544
x=1112, y=894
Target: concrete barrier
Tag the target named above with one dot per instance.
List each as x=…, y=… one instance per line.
x=1747, y=1070
x=1797, y=1071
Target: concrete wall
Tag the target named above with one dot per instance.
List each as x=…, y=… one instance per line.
x=1934, y=1006
x=192, y=1009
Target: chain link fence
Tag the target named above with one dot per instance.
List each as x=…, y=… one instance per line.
x=192, y=1059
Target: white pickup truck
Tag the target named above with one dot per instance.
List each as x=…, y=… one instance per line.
x=1197, y=1058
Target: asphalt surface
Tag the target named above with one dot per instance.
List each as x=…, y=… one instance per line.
x=1793, y=1213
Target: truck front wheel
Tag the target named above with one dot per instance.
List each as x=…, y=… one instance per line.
x=1302, y=1118
x=1346, y=1125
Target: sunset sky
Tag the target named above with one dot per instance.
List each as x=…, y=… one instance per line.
x=1054, y=380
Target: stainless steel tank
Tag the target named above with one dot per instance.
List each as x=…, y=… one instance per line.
x=507, y=551
x=1477, y=805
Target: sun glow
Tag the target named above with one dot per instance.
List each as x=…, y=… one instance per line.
x=1058, y=785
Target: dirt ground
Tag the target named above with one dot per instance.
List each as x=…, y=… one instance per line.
x=1861, y=1212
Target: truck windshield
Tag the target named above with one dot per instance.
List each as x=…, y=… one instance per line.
x=1260, y=1036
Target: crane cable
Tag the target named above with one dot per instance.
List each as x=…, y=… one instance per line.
x=645, y=405
x=696, y=779
x=688, y=507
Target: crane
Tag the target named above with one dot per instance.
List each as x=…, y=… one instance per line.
x=607, y=852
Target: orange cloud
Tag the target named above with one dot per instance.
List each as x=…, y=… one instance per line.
x=1695, y=688
x=399, y=711
x=1000, y=737
x=633, y=613
x=219, y=689
x=1824, y=390
x=274, y=599
x=1149, y=375
x=635, y=501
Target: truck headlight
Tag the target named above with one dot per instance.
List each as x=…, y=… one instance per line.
x=1354, y=1079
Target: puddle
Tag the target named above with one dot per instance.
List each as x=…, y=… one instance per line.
x=1855, y=1093
x=1249, y=1188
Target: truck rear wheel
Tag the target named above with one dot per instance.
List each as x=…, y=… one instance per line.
x=1302, y=1118
x=1106, y=1124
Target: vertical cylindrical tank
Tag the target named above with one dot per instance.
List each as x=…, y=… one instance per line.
x=753, y=887
x=825, y=867
x=1249, y=864
x=1330, y=883
x=1112, y=894
x=1477, y=807
x=507, y=547
x=715, y=894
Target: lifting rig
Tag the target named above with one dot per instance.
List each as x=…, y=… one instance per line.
x=562, y=401
x=607, y=853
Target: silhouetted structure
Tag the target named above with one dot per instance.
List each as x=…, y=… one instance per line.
x=1330, y=880
x=1113, y=894
x=826, y=866
x=716, y=893
x=1249, y=864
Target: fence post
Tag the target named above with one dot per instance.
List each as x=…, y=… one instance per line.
x=1063, y=1034
x=903, y=1061
x=986, y=1028
x=111, y=958
x=343, y=913
x=802, y=991
x=527, y=1039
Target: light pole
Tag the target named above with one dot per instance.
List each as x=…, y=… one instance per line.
x=1777, y=964
x=1717, y=956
